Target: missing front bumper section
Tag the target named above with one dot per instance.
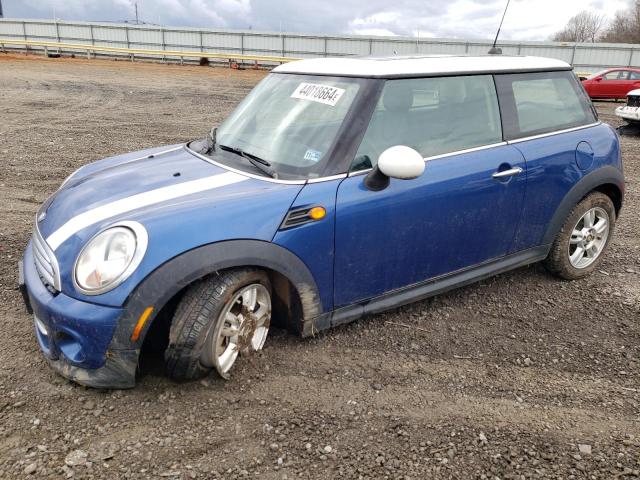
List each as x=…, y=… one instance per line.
x=118, y=372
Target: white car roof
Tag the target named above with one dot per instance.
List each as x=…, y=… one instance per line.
x=424, y=65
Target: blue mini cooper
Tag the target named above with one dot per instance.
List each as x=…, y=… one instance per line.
x=337, y=188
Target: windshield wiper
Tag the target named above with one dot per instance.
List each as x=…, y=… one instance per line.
x=260, y=163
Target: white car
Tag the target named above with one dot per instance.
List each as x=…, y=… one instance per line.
x=631, y=111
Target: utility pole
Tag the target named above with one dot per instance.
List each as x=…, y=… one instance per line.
x=136, y=6
x=1, y=9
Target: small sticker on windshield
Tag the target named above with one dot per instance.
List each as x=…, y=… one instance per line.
x=318, y=93
x=313, y=155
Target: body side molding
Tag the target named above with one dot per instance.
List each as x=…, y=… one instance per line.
x=423, y=290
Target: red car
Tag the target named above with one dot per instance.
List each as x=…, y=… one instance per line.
x=612, y=83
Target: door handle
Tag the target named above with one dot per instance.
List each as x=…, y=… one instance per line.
x=507, y=173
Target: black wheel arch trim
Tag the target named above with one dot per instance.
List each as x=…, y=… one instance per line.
x=607, y=175
x=170, y=278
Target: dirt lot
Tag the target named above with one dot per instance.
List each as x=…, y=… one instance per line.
x=519, y=376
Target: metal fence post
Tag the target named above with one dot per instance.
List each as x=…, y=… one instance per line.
x=325, y=46
x=57, y=32
x=630, y=56
x=519, y=48
x=242, y=43
x=282, y=49
x=201, y=44
x=466, y=47
x=24, y=33
x=370, y=46
x=573, y=53
x=93, y=42
x=163, y=43
x=126, y=32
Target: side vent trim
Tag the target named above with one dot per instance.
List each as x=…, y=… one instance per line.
x=296, y=217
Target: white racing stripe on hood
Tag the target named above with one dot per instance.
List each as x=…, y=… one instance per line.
x=139, y=200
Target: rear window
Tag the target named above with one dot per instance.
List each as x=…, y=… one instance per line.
x=536, y=103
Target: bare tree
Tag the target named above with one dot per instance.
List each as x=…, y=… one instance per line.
x=625, y=27
x=583, y=27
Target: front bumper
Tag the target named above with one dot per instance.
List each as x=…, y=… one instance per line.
x=75, y=336
x=629, y=113
x=118, y=371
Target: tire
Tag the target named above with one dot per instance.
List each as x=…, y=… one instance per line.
x=199, y=324
x=564, y=260
x=631, y=128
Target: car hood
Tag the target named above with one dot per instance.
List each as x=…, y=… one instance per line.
x=181, y=199
x=146, y=180
x=100, y=183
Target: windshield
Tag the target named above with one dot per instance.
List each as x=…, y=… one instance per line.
x=289, y=122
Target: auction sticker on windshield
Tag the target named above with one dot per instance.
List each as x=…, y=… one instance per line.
x=318, y=93
x=313, y=155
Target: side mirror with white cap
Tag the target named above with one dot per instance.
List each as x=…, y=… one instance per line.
x=399, y=162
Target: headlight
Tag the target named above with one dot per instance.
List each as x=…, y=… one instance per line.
x=110, y=257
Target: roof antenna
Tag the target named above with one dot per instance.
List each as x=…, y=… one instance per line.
x=496, y=50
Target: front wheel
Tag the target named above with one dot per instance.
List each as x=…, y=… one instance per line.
x=577, y=249
x=218, y=319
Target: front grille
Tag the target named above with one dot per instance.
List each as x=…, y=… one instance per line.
x=45, y=261
x=633, y=101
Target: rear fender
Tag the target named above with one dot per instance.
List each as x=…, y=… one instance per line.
x=606, y=175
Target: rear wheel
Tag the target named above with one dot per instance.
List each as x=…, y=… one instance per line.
x=218, y=319
x=631, y=128
x=578, y=247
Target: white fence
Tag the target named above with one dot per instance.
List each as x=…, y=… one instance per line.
x=585, y=57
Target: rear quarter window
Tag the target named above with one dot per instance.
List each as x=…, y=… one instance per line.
x=537, y=103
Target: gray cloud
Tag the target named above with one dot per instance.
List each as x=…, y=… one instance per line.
x=527, y=19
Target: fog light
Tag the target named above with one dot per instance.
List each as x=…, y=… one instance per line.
x=43, y=337
x=41, y=327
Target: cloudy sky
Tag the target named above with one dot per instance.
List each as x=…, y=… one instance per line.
x=525, y=20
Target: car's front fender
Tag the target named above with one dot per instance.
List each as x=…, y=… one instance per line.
x=173, y=276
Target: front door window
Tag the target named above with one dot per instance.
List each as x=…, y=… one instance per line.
x=433, y=116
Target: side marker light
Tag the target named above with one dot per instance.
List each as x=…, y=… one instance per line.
x=317, y=213
x=140, y=325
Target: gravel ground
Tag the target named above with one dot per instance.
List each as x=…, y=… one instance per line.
x=518, y=376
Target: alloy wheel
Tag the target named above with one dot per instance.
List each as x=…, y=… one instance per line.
x=589, y=237
x=242, y=326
